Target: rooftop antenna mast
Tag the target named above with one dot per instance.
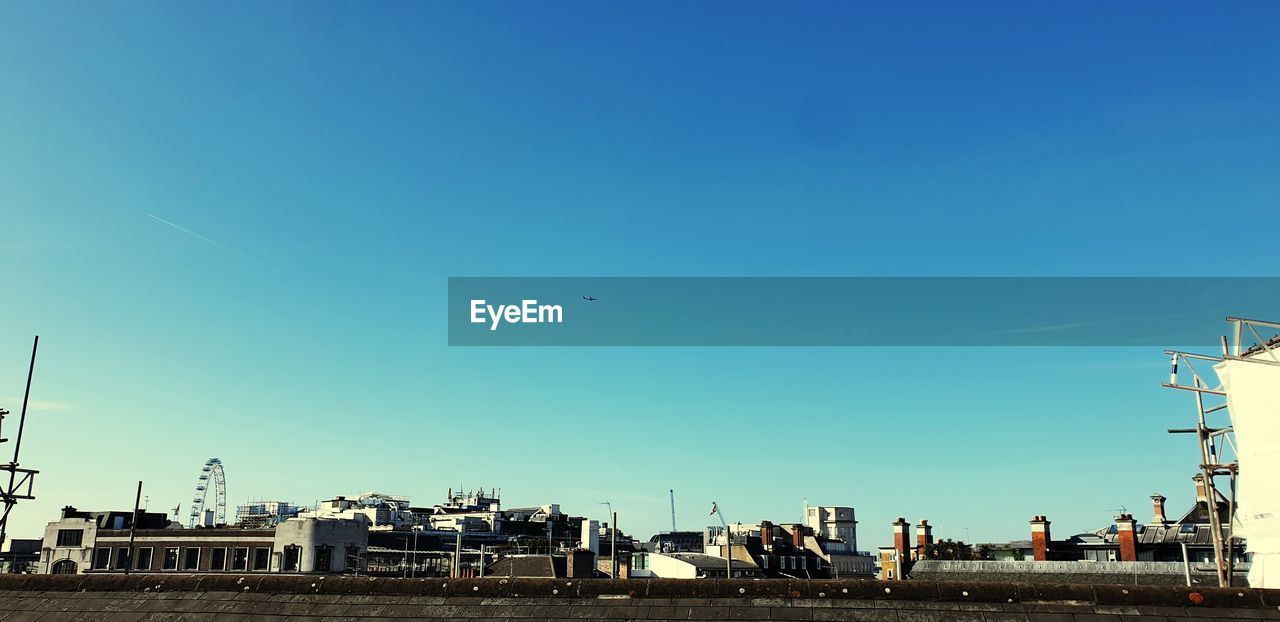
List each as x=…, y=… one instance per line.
x=20, y=479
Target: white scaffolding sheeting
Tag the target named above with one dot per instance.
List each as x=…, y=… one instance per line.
x=1253, y=402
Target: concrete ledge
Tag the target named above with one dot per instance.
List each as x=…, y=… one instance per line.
x=734, y=592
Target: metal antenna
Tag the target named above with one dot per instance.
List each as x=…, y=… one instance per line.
x=20, y=480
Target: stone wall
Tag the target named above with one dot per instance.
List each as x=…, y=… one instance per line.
x=1115, y=573
x=230, y=598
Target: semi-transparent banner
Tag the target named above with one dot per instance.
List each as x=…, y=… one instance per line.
x=852, y=311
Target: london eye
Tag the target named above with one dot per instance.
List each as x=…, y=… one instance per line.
x=210, y=475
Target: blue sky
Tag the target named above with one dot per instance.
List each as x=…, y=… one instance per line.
x=347, y=161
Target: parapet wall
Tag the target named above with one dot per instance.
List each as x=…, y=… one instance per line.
x=229, y=598
x=1115, y=573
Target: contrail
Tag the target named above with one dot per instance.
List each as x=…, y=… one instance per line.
x=193, y=233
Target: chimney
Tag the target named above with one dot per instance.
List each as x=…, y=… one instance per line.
x=1157, y=505
x=797, y=536
x=766, y=535
x=900, y=538
x=1202, y=491
x=1039, y=538
x=68, y=510
x=923, y=538
x=1127, y=537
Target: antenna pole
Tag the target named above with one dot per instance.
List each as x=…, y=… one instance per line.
x=17, y=488
x=22, y=419
x=133, y=527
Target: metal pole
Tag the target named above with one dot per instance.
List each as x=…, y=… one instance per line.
x=22, y=419
x=728, y=552
x=1186, y=564
x=17, y=444
x=1211, y=494
x=404, y=562
x=613, y=545
x=481, y=561
x=457, y=555
x=1231, y=542
x=413, y=569
x=133, y=527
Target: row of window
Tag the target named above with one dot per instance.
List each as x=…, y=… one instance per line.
x=785, y=562
x=188, y=558
x=238, y=558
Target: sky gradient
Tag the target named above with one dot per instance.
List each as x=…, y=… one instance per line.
x=232, y=225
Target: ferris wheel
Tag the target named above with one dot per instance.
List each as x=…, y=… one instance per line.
x=210, y=475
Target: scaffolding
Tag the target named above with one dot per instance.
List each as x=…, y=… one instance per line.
x=265, y=514
x=1216, y=438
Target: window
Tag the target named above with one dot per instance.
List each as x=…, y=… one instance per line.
x=171, y=559
x=240, y=559
x=1185, y=528
x=144, y=559
x=353, y=557
x=261, y=558
x=291, y=555
x=64, y=566
x=324, y=558
x=639, y=562
x=122, y=558
x=102, y=559
x=70, y=537
x=191, y=559
x=218, y=559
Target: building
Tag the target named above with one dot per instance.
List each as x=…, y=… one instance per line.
x=99, y=542
x=20, y=556
x=1127, y=551
x=572, y=564
x=890, y=562
x=1127, y=540
x=646, y=565
x=676, y=542
x=833, y=523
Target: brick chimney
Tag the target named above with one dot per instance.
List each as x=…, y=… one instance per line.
x=900, y=538
x=1127, y=537
x=797, y=536
x=766, y=534
x=1039, y=538
x=924, y=537
x=1157, y=507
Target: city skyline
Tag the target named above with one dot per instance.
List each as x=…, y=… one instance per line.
x=232, y=228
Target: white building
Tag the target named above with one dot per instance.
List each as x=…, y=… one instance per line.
x=688, y=566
